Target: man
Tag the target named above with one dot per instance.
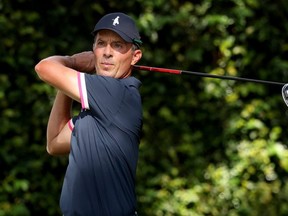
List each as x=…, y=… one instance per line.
x=102, y=141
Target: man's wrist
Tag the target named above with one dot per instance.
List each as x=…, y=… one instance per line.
x=71, y=62
x=83, y=62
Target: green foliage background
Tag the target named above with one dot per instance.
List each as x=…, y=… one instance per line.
x=209, y=147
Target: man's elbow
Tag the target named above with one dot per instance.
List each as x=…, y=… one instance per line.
x=56, y=150
x=50, y=150
x=42, y=69
x=39, y=69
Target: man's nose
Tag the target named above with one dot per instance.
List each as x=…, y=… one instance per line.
x=108, y=50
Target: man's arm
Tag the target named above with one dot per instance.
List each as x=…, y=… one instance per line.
x=58, y=131
x=61, y=72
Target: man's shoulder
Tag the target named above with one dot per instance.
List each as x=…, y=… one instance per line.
x=132, y=81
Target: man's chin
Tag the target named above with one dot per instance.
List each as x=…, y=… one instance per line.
x=106, y=73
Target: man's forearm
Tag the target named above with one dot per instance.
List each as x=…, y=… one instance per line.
x=84, y=62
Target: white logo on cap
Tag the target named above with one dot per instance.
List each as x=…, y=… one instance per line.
x=116, y=21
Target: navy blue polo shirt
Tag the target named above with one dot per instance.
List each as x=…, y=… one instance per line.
x=100, y=177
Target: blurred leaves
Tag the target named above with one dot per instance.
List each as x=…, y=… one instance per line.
x=209, y=146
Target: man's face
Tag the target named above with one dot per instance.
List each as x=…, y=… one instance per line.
x=113, y=55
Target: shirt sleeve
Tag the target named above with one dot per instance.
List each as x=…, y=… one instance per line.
x=99, y=94
x=83, y=90
x=72, y=122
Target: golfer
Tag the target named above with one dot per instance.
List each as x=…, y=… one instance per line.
x=102, y=140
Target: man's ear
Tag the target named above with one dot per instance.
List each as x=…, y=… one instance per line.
x=136, y=56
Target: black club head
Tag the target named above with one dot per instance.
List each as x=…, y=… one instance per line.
x=285, y=93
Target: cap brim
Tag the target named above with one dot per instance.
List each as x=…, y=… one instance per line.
x=121, y=34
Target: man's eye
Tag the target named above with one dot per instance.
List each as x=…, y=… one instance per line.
x=118, y=45
x=100, y=43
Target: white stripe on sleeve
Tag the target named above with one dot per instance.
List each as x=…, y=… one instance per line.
x=83, y=90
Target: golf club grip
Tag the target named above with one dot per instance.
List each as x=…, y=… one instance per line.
x=155, y=69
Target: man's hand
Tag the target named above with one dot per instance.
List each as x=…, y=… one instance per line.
x=83, y=62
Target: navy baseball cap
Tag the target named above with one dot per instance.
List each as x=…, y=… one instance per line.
x=122, y=24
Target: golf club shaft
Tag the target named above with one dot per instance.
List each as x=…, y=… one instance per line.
x=174, y=71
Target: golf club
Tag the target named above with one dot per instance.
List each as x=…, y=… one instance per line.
x=175, y=71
